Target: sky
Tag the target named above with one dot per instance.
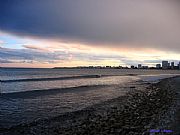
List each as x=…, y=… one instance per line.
x=67, y=33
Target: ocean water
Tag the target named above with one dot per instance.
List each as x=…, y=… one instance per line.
x=28, y=95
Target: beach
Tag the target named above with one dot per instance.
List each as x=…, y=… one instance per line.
x=89, y=67
x=143, y=109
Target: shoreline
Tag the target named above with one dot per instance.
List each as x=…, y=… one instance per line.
x=135, y=113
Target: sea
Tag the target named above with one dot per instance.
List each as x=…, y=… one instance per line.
x=29, y=94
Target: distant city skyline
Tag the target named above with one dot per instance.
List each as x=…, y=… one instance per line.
x=164, y=65
x=58, y=33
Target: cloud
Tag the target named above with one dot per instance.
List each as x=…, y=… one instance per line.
x=138, y=24
x=1, y=43
x=160, y=61
x=8, y=55
x=35, y=47
x=97, y=57
x=36, y=55
x=153, y=61
x=5, y=61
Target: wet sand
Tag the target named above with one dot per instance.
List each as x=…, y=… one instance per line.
x=151, y=106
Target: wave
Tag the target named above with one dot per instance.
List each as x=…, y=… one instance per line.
x=50, y=79
x=36, y=93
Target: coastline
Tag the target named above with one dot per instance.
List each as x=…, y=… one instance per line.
x=135, y=113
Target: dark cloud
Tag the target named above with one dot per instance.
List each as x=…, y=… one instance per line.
x=136, y=23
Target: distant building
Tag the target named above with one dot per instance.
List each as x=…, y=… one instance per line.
x=172, y=65
x=165, y=65
x=91, y=67
x=145, y=67
x=99, y=67
x=132, y=67
x=108, y=66
x=168, y=65
x=139, y=66
x=158, y=66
